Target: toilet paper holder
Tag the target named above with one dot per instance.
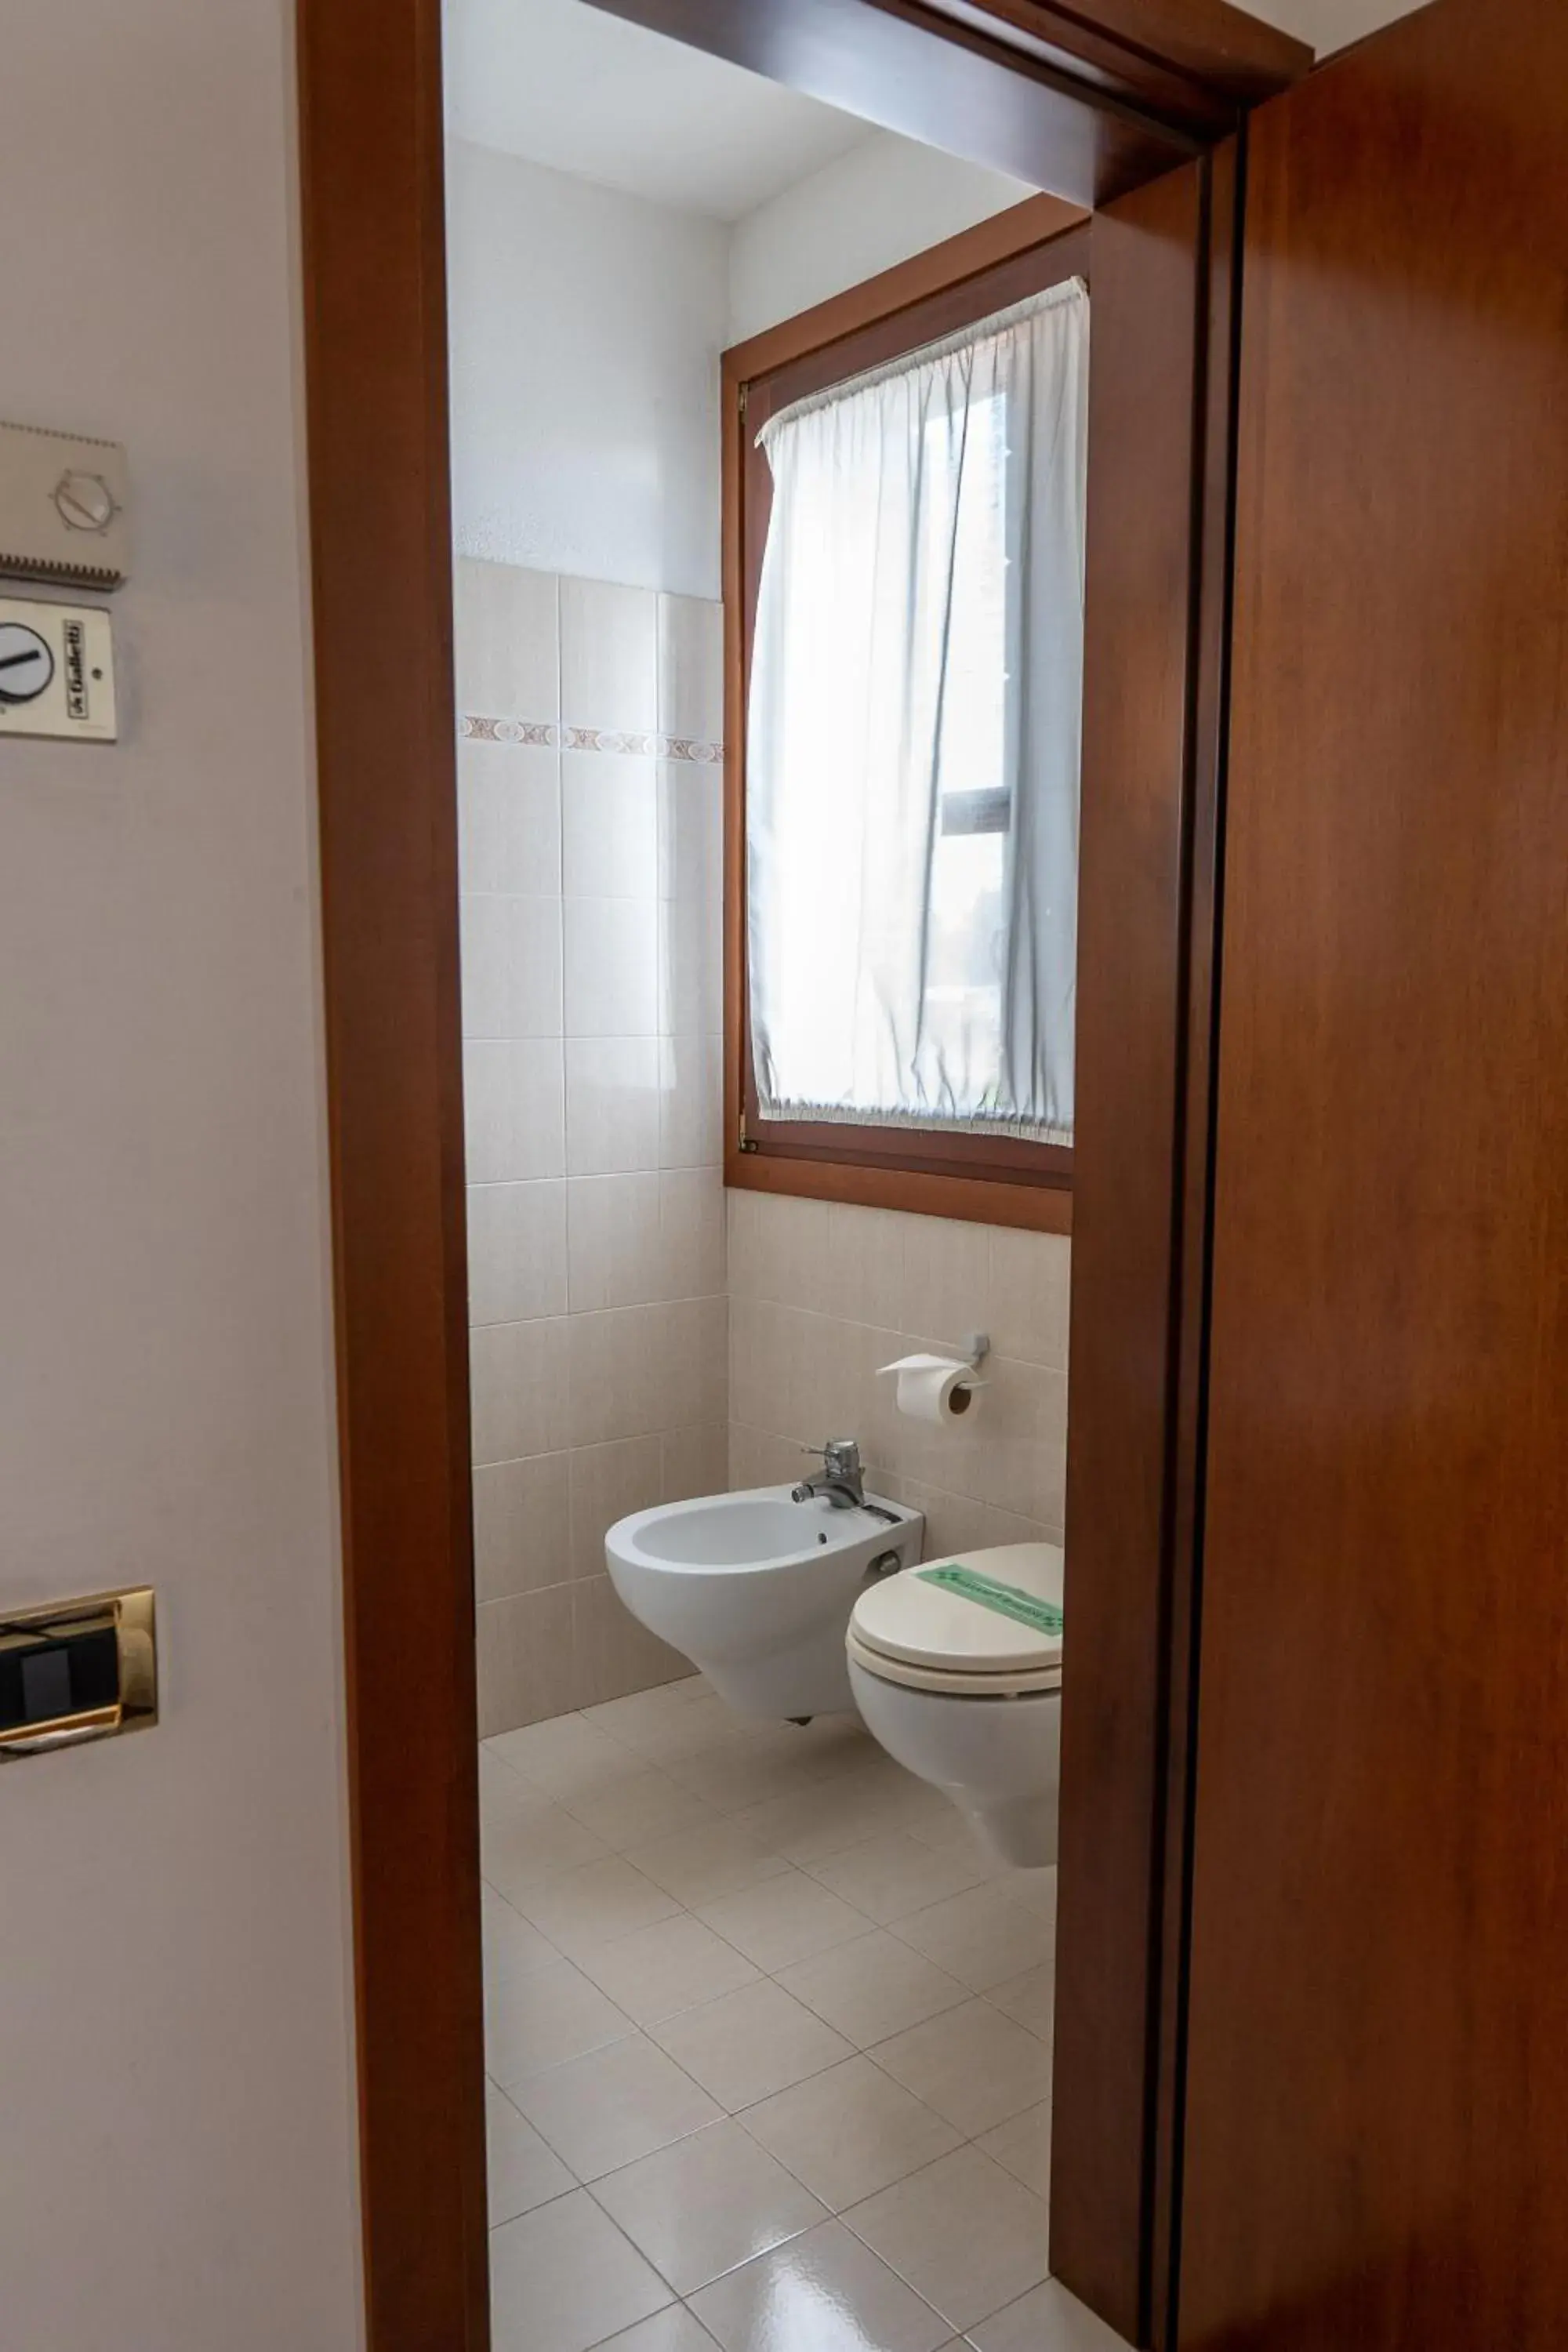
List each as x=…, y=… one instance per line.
x=939, y=1388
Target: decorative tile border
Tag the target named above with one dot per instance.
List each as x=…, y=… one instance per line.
x=472, y=727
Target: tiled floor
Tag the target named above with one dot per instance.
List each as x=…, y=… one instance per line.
x=769, y=2046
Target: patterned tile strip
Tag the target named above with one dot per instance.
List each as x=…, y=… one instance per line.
x=475, y=729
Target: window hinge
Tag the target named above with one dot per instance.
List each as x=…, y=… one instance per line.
x=746, y=1144
x=741, y=399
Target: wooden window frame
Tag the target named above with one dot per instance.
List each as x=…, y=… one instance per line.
x=987, y=1180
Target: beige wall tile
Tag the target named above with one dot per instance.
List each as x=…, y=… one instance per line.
x=691, y=1238
x=691, y=971
x=519, y=1373
x=803, y=1366
x=609, y=656
x=516, y=1251
x=606, y=1483
x=508, y=818
x=616, y=1242
x=614, y=1654
x=512, y=967
x=521, y=1525
x=696, y=1462
x=947, y=1280
x=507, y=663
x=524, y=1655
x=513, y=1105
x=609, y=825
x=691, y=837
x=1031, y=1281
x=611, y=949
x=597, y=1302
x=691, y=1102
x=690, y=667
x=865, y=1261
x=614, y=1105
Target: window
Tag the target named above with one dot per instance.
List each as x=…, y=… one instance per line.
x=909, y=758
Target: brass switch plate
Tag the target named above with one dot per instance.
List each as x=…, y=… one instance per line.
x=117, y=1632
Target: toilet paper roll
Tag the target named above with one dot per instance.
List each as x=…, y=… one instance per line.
x=936, y=1389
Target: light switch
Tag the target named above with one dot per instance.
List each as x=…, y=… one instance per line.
x=77, y=1670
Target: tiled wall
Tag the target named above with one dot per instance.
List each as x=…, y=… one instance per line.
x=589, y=787
x=820, y=1294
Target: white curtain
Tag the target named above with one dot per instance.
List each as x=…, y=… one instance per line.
x=914, y=733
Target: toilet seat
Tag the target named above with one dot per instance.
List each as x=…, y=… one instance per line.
x=950, y=1627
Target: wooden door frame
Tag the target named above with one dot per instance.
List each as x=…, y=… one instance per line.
x=1108, y=94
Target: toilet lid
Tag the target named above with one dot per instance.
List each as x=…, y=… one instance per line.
x=980, y=1618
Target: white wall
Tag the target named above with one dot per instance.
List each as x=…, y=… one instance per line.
x=585, y=332
x=176, y=2100
x=883, y=201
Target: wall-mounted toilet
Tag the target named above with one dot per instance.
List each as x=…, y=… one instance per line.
x=956, y=1668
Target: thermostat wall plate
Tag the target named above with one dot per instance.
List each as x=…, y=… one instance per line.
x=57, y=670
x=63, y=502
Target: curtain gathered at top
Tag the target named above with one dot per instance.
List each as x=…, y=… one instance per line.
x=913, y=735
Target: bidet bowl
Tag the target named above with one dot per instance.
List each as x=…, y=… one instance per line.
x=756, y=1589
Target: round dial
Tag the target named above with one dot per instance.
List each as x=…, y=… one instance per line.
x=85, y=502
x=27, y=664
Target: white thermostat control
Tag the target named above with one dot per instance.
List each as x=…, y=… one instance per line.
x=57, y=671
x=63, y=507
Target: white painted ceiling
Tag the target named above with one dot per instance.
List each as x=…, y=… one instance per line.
x=565, y=85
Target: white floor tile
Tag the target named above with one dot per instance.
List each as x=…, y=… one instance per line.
x=784, y=1919
x=1023, y=2145
x=810, y=1824
x=673, y=1720
x=513, y=1947
x=964, y=2233
x=891, y=1876
x=849, y=2132
x=544, y=2019
x=737, y=1775
x=1047, y=2319
x=705, y=1864
x=634, y=1806
x=823, y=2292
x=707, y=2204
x=563, y=2277
x=981, y=1937
x=971, y=2065
x=1030, y=1997
x=523, y=2172
x=520, y=1848
x=1037, y=1889
x=675, y=2330
x=605, y=2110
x=674, y=1965
x=556, y=1753
x=872, y=1988
x=580, y=1908
x=751, y=2043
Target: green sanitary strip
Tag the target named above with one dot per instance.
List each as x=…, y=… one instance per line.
x=1007, y=1599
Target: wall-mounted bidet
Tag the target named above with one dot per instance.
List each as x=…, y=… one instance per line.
x=756, y=1588
x=956, y=1669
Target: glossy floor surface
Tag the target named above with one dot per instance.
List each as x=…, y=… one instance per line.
x=768, y=2042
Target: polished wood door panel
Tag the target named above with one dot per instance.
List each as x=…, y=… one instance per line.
x=1377, y=2149
x=1141, y=784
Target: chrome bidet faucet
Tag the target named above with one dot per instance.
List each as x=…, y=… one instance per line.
x=842, y=1483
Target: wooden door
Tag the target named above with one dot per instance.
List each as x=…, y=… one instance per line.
x=1376, y=2146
